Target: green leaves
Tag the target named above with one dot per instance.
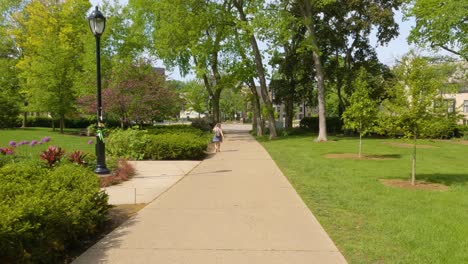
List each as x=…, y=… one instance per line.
x=440, y=24
x=361, y=114
x=415, y=106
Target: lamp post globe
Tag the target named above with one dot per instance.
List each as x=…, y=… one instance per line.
x=97, y=24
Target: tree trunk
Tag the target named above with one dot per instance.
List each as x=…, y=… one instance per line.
x=360, y=140
x=256, y=107
x=215, y=102
x=289, y=109
x=62, y=123
x=25, y=119
x=260, y=72
x=53, y=123
x=413, y=167
x=339, y=86
x=307, y=12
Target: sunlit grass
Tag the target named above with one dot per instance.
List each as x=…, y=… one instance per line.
x=65, y=141
x=374, y=223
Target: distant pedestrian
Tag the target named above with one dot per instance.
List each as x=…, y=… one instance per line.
x=218, y=137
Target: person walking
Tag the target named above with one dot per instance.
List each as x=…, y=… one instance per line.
x=218, y=137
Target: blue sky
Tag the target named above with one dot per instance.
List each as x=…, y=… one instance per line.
x=387, y=54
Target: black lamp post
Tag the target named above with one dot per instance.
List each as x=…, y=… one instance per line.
x=97, y=23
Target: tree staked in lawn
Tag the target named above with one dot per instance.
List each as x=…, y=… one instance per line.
x=362, y=111
x=415, y=107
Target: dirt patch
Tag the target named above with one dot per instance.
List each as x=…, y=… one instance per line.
x=363, y=156
x=461, y=142
x=408, y=145
x=419, y=185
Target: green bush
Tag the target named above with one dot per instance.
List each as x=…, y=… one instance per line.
x=161, y=143
x=175, y=129
x=128, y=144
x=39, y=121
x=9, y=111
x=295, y=131
x=202, y=124
x=312, y=123
x=462, y=131
x=183, y=146
x=44, y=212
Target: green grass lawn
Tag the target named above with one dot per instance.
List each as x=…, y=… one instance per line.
x=66, y=141
x=374, y=223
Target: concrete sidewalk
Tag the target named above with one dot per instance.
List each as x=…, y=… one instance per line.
x=152, y=178
x=234, y=207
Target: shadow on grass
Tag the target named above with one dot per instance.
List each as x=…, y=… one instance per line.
x=384, y=156
x=446, y=179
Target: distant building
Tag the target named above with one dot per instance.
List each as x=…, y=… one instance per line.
x=458, y=101
x=160, y=70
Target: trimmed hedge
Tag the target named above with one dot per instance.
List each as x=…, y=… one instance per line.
x=128, y=144
x=167, y=144
x=182, y=146
x=202, y=124
x=44, y=212
x=312, y=123
x=175, y=129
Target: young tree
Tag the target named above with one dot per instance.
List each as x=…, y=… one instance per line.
x=362, y=111
x=415, y=105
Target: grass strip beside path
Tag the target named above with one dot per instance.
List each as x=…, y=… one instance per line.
x=374, y=223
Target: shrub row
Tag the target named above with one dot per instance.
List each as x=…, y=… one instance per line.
x=175, y=145
x=36, y=121
x=202, y=124
x=440, y=130
x=45, y=211
x=174, y=129
x=312, y=123
x=183, y=146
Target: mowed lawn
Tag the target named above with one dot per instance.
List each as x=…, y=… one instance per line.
x=65, y=141
x=374, y=223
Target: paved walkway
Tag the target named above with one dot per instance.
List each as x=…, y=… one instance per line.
x=152, y=179
x=234, y=207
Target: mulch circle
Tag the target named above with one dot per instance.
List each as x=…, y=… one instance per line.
x=419, y=185
x=460, y=142
x=356, y=156
x=408, y=145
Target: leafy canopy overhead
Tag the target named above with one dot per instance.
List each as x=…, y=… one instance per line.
x=440, y=24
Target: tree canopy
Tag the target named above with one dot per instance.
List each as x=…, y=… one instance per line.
x=440, y=25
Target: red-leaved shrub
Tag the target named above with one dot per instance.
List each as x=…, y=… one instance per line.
x=52, y=155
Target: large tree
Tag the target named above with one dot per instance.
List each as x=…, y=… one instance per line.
x=440, y=25
x=248, y=28
x=50, y=36
x=191, y=35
